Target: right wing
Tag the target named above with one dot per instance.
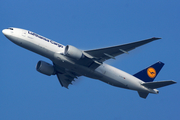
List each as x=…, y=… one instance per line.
x=103, y=54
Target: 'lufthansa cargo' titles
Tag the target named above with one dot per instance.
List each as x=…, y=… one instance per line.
x=45, y=39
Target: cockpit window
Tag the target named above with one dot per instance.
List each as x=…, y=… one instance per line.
x=10, y=28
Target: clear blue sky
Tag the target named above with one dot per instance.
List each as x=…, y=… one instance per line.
x=27, y=94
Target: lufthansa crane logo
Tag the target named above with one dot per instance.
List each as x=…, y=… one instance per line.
x=151, y=72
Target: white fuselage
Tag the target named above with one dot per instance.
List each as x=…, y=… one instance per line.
x=55, y=52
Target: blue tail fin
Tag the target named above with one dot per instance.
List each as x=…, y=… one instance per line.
x=150, y=73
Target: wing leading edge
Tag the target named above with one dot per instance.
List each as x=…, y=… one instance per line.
x=103, y=54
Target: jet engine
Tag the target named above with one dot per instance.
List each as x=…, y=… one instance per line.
x=73, y=52
x=45, y=68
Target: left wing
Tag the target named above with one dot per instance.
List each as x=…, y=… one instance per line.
x=65, y=77
x=111, y=52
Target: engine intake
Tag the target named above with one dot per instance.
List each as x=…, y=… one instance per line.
x=73, y=52
x=45, y=68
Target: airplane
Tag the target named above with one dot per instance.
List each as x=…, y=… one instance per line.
x=69, y=62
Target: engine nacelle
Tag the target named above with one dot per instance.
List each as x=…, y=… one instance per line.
x=73, y=52
x=45, y=68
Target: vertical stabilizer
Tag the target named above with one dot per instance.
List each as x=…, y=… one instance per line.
x=150, y=73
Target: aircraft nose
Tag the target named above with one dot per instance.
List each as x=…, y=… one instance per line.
x=5, y=32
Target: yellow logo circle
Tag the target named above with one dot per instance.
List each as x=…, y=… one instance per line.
x=151, y=72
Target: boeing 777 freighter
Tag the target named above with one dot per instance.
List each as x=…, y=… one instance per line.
x=70, y=62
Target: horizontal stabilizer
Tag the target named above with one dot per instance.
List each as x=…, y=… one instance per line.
x=154, y=85
x=143, y=94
